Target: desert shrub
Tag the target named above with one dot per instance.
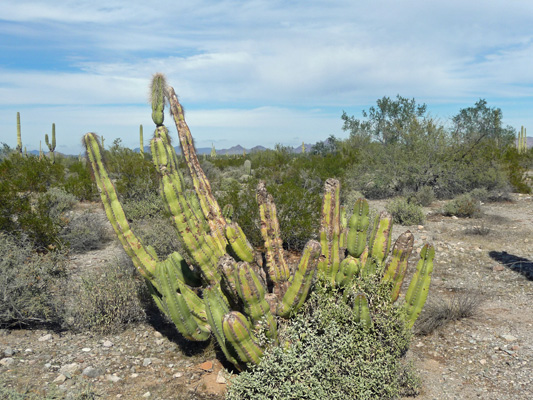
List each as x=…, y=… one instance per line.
x=106, y=299
x=480, y=194
x=424, y=196
x=150, y=205
x=79, y=182
x=59, y=201
x=464, y=206
x=28, y=281
x=405, y=212
x=439, y=312
x=159, y=233
x=327, y=354
x=85, y=232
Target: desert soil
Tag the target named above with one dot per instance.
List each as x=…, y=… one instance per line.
x=489, y=355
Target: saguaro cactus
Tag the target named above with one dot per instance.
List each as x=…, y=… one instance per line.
x=19, y=136
x=227, y=290
x=141, y=139
x=51, y=145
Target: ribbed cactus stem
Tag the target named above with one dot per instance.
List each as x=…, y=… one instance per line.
x=40, y=150
x=417, y=292
x=239, y=334
x=51, y=145
x=157, y=98
x=397, y=265
x=330, y=231
x=362, y=311
x=358, y=228
x=19, y=135
x=248, y=167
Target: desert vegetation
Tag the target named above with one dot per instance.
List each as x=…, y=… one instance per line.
x=274, y=256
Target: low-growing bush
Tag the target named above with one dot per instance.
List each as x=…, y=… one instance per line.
x=149, y=206
x=327, y=354
x=425, y=196
x=405, y=213
x=463, y=206
x=159, y=232
x=28, y=281
x=105, y=300
x=86, y=232
x=59, y=201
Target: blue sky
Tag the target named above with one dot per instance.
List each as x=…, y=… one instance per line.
x=255, y=72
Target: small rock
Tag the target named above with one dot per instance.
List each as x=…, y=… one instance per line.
x=92, y=372
x=159, y=342
x=147, y=394
x=498, y=268
x=8, y=352
x=86, y=349
x=177, y=375
x=108, y=343
x=48, y=365
x=420, y=227
x=515, y=347
x=28, y=351
x=60, y=379
x=6, y=362
x=147, y=362
x=508, y=338
x=134, y=375
x=221, y=378
x=69, y=368
x=454, y=217
x=45, y=338
x=482, y=362
x=206, y=366
x=419, y=344
x=112, y=378
x=158, y=334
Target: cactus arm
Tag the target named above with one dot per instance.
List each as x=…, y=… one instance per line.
x=358, y=228
x=216, y=307
x=330, y=230
x=141, y=140
x=344, y=231
x=238, y=333
x=397, y=266
x=252, y=294
x=348, y=269
x=238, y=242
x=175, y=304
x=362, y=311
x=19, y=136
x=417, y=292
x=208, y=203
x=133, y=246
x=277, y=267
x=380, y=240
x=300, y=283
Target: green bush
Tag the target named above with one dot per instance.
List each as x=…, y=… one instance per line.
x=464, y=206
x=59, y=201
x=28, y=281
x=405, y=213
x=159, y=232
x=424, y=196
x=105, y=300
x=80, y=183
x=85, y=232
x=326, y=354
x=150, y=205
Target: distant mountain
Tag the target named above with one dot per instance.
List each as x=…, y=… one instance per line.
x=235, y=150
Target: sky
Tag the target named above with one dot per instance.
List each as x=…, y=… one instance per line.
x=259, y=72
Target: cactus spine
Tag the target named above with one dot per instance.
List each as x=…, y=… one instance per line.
x=51, y=145
x=19, y=135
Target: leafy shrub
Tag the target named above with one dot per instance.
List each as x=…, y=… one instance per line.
x=328, y=355
x=150, y=205
x=464, y=206
x=480, y=194
x=59, y=201
x=404, y=212
x=160, y=234
x=86, y=232
x=105, y=300
x=425, y=196
x=80, y=183
x=27, y=282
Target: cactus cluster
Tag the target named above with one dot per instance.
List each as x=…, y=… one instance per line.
x=522, y=140
x=222, y=286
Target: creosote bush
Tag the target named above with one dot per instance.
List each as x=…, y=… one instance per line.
x=86, y=232
x=326, y=354
x=405, y=212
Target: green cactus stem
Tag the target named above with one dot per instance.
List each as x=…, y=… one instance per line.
x=362, y=311
x=330, y=231
x=397, y=265
x=358, y=228
x=41, y=154
x=157, y=98
x=51, y=145
x=213, y=151
x=19, y=135
x=417, y=292
x=239, y=334
x=238, y=242
x=227, y=212
x=248, y=167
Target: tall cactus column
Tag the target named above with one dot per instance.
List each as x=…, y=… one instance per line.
x=51, y=145
x=19, y=136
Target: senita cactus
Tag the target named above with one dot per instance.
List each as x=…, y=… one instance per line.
x=522, y=140
x=19, y=136
x=228, y=291
x=51, y=145
x=41, y=154
x=141, y=139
